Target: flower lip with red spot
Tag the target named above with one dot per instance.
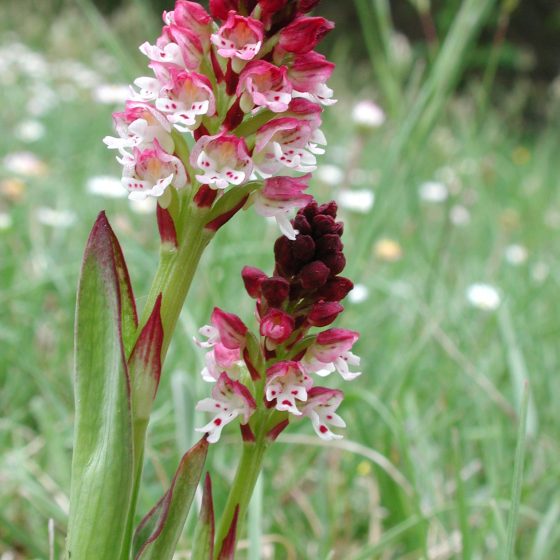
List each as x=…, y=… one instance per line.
x=286, y=383
x=239, y=37
x=277, y=326
x=308, y=75
x=230, y=399
x=265, y=85
x=320, y=408
x=303, y=34
x=230, y=327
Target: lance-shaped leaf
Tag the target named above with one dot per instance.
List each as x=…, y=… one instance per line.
x=102, y=464
x=157, y=535
x=145, y=364
x=203, y=548
x=227, y=552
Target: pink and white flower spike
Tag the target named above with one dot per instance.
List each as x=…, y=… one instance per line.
x=229, y=400
x=320, y=408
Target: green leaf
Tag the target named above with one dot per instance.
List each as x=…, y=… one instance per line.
x=157, y=535
x=203, y=547
x=102, y=464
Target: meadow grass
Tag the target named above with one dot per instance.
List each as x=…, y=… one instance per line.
x=452, y=442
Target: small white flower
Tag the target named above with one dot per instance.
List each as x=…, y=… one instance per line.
x=358, y=294
x=459, y=215
x=331, y=175
x=143, y=205
x=60, y=219
x=111, y=94
x=433, y=191
x=483, y=296
x=106, y=185
x=5, y=221
x=516, y=254
x=356, y=200
x=29, y=131
x=25, y=163
x=367, y=114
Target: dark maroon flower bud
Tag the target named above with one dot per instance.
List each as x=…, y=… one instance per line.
x=275, y=290
x=314, y=275
x=303, y=34
x=336, y=289
x=283, y=256
x=302, y=225
x=324, y=313
x=336, y=262
x=253, y=278
x=338, y=228
x=329, y=208
x=303, y=248
x=309, y=211
x=328, y=244
x=323, y=224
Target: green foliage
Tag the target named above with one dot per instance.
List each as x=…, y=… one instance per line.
x=103, y=462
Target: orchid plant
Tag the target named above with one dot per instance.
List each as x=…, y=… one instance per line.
x=229, y=119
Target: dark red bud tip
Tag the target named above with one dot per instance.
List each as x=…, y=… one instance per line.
x=217, y=223
x=166, y=226
x=246, y=433
x=302, y=225
x=305, y=6
x=200, y=132
x=303, y=248
x=324, y=313
x=336, y=262
x=314, y=275
x=205, y=196
x=328, y=244
x=277, y=430
x=252, y=278
x=336, y=289
x=275, y=290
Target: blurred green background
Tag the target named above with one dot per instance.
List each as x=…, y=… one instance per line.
x=456, y=262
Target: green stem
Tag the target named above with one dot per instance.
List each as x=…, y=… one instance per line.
x=174, y=275
x=242, y=488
